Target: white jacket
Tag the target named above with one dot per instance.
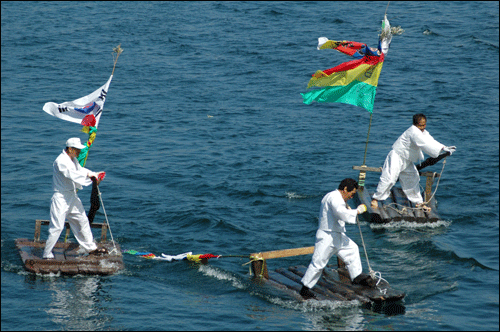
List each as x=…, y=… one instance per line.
x=69, y=175
x=334, y=213
x=413, y=143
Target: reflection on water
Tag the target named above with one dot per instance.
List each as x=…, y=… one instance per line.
x=345, y=319
x=75, y=303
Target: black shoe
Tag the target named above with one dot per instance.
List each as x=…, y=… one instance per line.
x=99, y=252
x=306, y=293
x=365, y=280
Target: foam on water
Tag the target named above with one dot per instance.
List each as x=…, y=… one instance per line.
x=292, y=195
x=314, y=306
x=48, y=275
x=108, y=264
x=410, y=224
x=221, y=275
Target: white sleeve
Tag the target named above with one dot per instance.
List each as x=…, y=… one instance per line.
x=343, y=213
x=79, y=176
x=428, y=144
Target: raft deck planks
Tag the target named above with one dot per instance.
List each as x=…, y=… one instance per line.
x=396, y=207
x=334, y=284
x=67, y=260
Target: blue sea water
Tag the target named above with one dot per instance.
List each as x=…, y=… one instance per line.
x=208, y=148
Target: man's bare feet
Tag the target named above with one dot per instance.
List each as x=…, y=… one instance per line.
x=374, y=204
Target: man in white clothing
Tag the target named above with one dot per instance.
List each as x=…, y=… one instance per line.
x=69, y=176
x=331, y=239
x=400, y=162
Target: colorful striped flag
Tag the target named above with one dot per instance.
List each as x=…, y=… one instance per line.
x=353, y=82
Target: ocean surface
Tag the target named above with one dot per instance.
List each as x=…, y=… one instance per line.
x=208, y=148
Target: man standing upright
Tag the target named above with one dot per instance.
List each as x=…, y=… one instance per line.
x=69, y=176
x=331, y=239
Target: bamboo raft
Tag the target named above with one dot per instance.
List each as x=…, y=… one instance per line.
x=67, y=260
x=396, y=207
x=334, y=283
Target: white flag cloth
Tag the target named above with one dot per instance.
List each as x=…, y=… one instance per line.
x=170, y=258
x=83, y=110
x=385, y=36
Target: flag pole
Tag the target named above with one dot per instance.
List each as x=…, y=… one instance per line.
x=362, y=174
x=367, y=138
x=118, y=50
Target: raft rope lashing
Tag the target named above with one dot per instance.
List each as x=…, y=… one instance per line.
x=107, y=222
x=374, y=274
x=254, y=259
x=437, y=183
x=406, y=208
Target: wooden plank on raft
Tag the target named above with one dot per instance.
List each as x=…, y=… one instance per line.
x=365, y=168
x=392, y=209
x=259, y=266
x=410, y=214
x=290, y=284
x=402, y=201
x=318, y=288
x=378, y=215
x=283, y=253
x=290, y=292
x=390, y=206
x=428, y=187
x=332, y=285
x=67, y=260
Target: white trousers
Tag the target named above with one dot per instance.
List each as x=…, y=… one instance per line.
x=329, y=244
x=396, y=167
x=68, y=206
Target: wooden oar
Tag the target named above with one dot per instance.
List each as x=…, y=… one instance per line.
x=283, y=253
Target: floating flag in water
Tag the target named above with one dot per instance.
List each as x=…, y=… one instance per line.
x=185, y=256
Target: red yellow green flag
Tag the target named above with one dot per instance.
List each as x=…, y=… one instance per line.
x=353, y=82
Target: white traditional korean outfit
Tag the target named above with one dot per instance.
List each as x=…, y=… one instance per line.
x=68, y=176
x=408, y=149
x=331, y=239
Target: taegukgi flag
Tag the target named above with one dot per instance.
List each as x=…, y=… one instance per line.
x=85, y=111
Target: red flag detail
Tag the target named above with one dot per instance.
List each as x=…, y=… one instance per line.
x=208, y=256
x=88, y=120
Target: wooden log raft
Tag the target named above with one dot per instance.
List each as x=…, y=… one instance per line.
x=396, y=207
x=334, y=284
x=67, y=260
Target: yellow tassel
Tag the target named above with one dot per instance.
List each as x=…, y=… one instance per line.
x=193, y=258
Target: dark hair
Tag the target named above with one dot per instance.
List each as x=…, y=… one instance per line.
x=349, y=183
x=418, y=117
